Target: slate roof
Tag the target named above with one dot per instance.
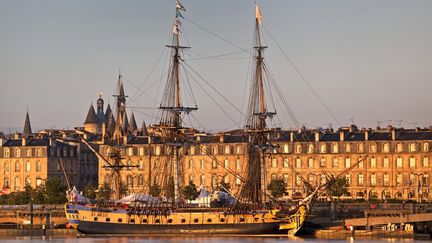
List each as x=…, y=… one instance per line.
x=91, y=116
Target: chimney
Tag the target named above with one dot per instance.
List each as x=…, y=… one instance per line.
x=198, y=138
x=24, y=142
x=2, y=141
x=221, y=138
x=317, y=136
x=52, y=142
x=393, y=132
x=367, y=134
x=342, y=135
x=149, y=138
x=291, y=136
x=125, y=139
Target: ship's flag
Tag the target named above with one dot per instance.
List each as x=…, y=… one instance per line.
x=258, y=14
x=179, y=6
x=178, y=14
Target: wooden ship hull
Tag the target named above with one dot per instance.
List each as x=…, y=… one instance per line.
x=121, y=221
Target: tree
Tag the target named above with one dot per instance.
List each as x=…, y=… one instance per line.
x=90, y=191
x=339, y=187
x=155, y=190
x=55, y=191
x=190, y=191
x=123, y=187
x=277, y=188
x=105, y=192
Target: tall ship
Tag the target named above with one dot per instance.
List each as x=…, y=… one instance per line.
x=162, y=208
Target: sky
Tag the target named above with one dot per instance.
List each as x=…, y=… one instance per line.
x=366, y=61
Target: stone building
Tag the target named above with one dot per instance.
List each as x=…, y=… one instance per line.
x=386, y=163
x=32, y=158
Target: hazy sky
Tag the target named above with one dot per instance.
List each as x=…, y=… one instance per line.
x=367, y=60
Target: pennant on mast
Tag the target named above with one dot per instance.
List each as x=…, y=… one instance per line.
x=258, y=14
x=179, y=6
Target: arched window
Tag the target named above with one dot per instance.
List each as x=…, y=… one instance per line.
x=386, y=148
x=29, y=153
x=286, y=148
x=348, y=147
x=311, y=148
x=335, y=148
x=17, y=153
x=298, y=148
x=6, y=152
x=323, y=148
x=227, y=149
x=28, y=166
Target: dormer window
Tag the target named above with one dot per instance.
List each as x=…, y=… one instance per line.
x=227, y=149
x=373, y=148
x=298, y=148
x=323, y=148
x=426, y=147
x=286, y=148
x=386, y=148
x=360, y=148
x=17, y=153
x=399, y=148
x=6, y=152
x=412, y=147
x=335, y=148
x=348, y=148
x=311, y=148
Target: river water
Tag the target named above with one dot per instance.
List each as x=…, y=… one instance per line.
x=192, y=239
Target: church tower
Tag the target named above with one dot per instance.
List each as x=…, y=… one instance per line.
x=27, y=127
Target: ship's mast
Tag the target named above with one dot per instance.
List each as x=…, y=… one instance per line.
x=171, y=106
x=254, y=190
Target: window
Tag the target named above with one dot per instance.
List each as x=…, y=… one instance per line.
x=190, y=164
x=6, y=183
x=298, y=163
x=412, y=180
x=373, y=148
x=398, y=179
x=273, y=162
x=140, y=180
x=202, y=164
x=285, y=163
x=424, y=180
x=399, y=148
x=29, y=153
x=286, y=178
x=28, y=166
x=412, y=162
x=239, y=149
x=39, y=152
x=129, y=164
x=6, y=166
x=38, y=182
x=386, y=162
x=226, y=163
x=298, y=180
x=273, y=176
x=412, y=147
x=17, y=183
x=192, y=150
x=38, y=166
x=28, y=181
x=386, y=148
x=360, y=163
x=335, y=148
x=215, y=149
x=214, y=181
x=310, y=148
x=347, y=162
x=323, y=148
x=399, y=162
x=214, y=163
x=310, y=162
x=298, y=148
x=6, y=153
x=286, y=148
x=130, y=181
x=373, y=163
x=360, y=148
x=191, y=177
x=65, y=152
x=17, y=153
x=226, y=179
x=323, y=162
x=202, y=180
x=238, y=181
x=426, y=147
x=227, y=149
x=348, y=148
x=386, y=180
x=425, y=161
x=360, y=179
x=17, y=166
x=140, y=165
x=238, y=163
x=373, y=179
x=348, y=178
x=141, y=151
x=335, y=162
x=158, y=150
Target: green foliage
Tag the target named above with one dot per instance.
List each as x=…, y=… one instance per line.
x=155, y=190
x=190, y=191
x=170, y=187
x=105, y=192
x=90, y=191
x=54, y=191
x=123, y=187
x=339, y=187
x=277, y=188
x=39, y=195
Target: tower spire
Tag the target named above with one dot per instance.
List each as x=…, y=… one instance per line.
x=27, y=127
